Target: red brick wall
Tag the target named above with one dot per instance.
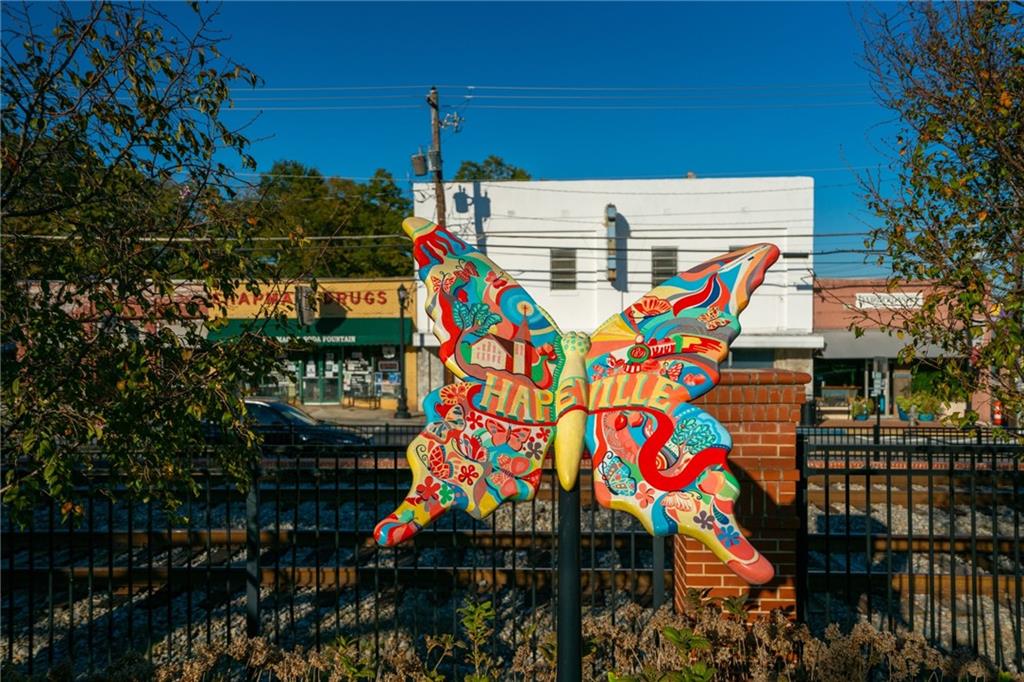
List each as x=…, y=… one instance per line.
x=761, y=409
x=835, y=301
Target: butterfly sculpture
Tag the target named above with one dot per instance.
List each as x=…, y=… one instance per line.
x=622, y=393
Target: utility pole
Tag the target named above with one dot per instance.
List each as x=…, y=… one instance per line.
x=435, y=155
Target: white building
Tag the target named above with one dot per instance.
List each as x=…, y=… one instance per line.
x=553, y=237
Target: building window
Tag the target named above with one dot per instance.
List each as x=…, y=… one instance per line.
x=752, y=358
x=663, y=265
x=563, y=268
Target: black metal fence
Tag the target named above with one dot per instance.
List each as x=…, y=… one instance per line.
x=294, y=560
x=916, y=529
x=906, y=528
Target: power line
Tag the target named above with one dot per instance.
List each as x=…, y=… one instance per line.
x=597, y=222
x=569, y=88
x=606, y=192
x=606, y=97
x=519, y=185
x=662, y=88
x=353, y=107
x=554, y=107
x=476, y=97
x=186, y=240
x=514, y=247
x=674, y=107
x=503, y=183
x=340, y=87
x=684, y=231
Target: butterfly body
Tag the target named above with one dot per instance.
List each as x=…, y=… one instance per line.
x=622, y=393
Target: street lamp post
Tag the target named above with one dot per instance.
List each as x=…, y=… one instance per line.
x=403, y=408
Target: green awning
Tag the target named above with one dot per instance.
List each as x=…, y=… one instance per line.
x=369, y=331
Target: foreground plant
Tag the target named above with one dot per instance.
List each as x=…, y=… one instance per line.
x=711, y=640
x=121, y=237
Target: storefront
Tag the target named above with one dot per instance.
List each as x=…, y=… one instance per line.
x=856, y=366
x=349, y=355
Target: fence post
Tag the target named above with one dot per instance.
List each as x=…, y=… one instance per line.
x=801, y=533
x=252, y=555
x=569, y=653
x=658, y=564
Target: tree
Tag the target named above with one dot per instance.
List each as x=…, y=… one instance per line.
x=120, y=239
x=353, y=229
x=953, y=74
x=492, y=168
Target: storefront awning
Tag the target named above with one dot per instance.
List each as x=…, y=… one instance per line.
x=324, y=332
x=754, y=340
x=874, y=343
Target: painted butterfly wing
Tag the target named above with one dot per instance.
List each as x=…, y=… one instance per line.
x=488, y=325
x=645, y=365
x=497, y=339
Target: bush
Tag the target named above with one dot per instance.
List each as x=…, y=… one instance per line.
x=711, y=640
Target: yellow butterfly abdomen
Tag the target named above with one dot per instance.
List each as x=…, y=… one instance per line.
x=571, y=397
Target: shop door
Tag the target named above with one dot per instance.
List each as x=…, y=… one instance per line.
x=321, y=377
x=311, y=379
x=330, y=386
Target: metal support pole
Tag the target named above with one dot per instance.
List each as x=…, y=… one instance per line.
x=658, y=547
x=570, y=650
x=252, y=556
x=801, y=533
x=403, y=405
x=434, y=101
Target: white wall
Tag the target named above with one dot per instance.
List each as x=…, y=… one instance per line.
x=702, y=218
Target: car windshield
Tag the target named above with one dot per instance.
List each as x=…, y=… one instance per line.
x=295, y=415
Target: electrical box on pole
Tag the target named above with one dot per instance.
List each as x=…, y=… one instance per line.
x=611, y=216
x=305, y=305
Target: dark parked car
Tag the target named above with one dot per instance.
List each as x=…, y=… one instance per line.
x=283, y=424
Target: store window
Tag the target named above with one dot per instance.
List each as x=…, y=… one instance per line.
x=663, y=265
x=752, y=358
x=838, y=381
x=563, y=269
x=343, y=374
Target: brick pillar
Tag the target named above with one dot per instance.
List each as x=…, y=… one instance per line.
x=761, y=409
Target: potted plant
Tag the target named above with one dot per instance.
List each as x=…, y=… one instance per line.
x=860, y=408
x=904, y=403
x=927, y=406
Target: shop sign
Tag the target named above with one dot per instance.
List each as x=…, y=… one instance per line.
x=889, y=301
x=325, y=339
x=334, y=300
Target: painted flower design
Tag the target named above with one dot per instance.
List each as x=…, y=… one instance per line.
x=428, y=489
x=534, y=449
x=474, y=420
x=678, y=500
x=729, y=536
x=648, y=306
x=543, y=433
x=468, y=474
x=447, y=493
x=645, y=495
x=704, y=520
x=453, y=393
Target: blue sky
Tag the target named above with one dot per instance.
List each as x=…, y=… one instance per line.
x=755, y=88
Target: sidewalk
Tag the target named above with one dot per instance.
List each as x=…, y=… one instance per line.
x=339, y=414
